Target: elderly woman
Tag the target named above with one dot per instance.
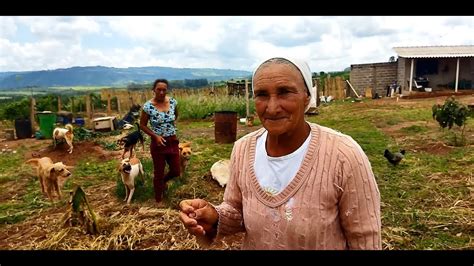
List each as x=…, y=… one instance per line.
x=293, y=184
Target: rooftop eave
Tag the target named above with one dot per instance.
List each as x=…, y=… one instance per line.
x=437, y=56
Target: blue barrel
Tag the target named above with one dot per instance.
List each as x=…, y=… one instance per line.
x=60, y=120
x=66, y=120
x=79, y=121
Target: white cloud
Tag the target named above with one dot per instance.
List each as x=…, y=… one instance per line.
x=66, y=29
x=328, y=43
x=7, y=27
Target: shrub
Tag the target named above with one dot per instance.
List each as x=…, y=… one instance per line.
x=16, y=110
x=452, y=112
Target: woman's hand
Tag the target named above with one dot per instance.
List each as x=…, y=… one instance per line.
x=198, y=216
x=160, y=140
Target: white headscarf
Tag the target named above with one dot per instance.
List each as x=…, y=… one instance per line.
x=303, y=67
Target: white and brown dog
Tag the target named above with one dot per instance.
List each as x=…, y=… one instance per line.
x=129, y=169
x=51, y=175
x=64, y=133
x=184, y=155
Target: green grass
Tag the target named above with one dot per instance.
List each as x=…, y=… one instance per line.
x=10, y=165
x=200, y=107
x=98, y=169
x=28, y=202
x=413, y=129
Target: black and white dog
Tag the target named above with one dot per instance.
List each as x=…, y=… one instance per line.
x=130, y=117
x=130, y=141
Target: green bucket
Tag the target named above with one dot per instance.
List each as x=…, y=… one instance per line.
x=47, y=120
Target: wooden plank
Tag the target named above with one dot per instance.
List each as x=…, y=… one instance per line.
x=368, y=93
x=32, y=114
x=109, y=109
x=88, y=106
x=350, y=85
x=59, y=104
x=247, y=98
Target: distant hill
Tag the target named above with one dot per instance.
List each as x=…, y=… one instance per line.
x=110, y=76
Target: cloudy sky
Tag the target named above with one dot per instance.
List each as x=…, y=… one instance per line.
x=327, y=43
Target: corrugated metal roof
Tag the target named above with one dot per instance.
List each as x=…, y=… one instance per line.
x=435, y=51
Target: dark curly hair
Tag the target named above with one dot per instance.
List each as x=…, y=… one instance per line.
x=162, y=81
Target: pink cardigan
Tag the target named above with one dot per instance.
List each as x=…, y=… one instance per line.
x=332, y=203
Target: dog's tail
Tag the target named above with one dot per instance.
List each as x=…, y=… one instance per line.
x=140, y=136
x=33, y=161
x=69, y=128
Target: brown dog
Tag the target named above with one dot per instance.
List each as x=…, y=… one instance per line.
x=51, y=175
x=184, y=155
x=249, y=121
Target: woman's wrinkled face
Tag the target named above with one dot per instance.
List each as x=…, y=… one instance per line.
x=160, y=90
x=280, y=98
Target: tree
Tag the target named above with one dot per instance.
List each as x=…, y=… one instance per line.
x=16, y=110
x=452, y=112
x=195, y=83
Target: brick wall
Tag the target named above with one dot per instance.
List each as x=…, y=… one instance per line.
x=376, y=76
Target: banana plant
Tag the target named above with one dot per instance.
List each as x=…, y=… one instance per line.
x=80, y=212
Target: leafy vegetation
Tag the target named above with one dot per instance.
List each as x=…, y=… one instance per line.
x=452, y=112
x=15, y=110
x=79, y=212
x=201, y=107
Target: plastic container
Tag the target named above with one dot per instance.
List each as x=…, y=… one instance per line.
x=47, y=122
x=79, y=121
x=64, y=117
x=23, y=128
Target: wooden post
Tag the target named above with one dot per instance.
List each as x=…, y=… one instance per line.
x=118, y=104
x=92, y=106
x=247, y=98
x=411, y=75
x=457, y=76
x=130, y=97
x=88, y=106
x=32, y=114
x=109, y=110
x=59, y=104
